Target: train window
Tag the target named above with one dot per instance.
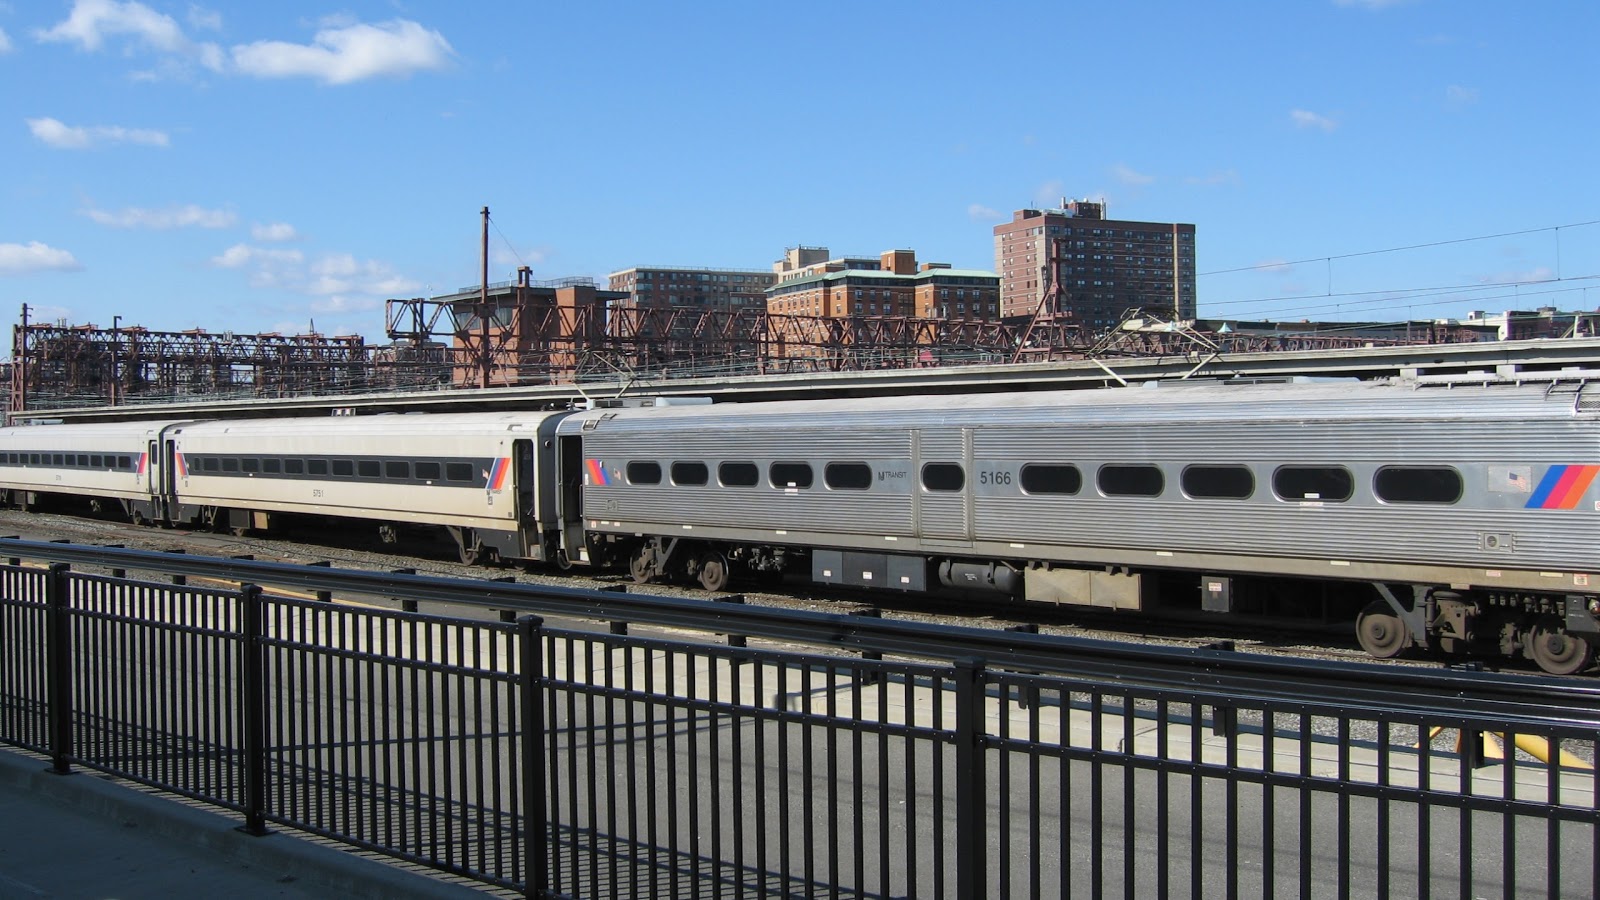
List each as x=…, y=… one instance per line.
x=97, y=461
x=458, y=471
x=428, y=471
x=1131, y=481
x=790, y=475
x=58, y=460
x=1330, y=483
x=943, y=477
x=271, y=466
x=847, y=476
x=1417, y=484
x=294, y=467
x=124, y=462
x=644, y=472
x=230, y=464
x=1050, y=478
x=250, y=464
x=34, y=458
x=398, y=469
x=738, y=474
x=1218, y=482
x=368, y=468
x=83, y=460
x=690, y=473
x=316, y=467
x=344, y=468
x=208, y=464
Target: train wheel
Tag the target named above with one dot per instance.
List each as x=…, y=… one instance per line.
x=714, y=571
x=1381, y=632
x=642, y=565
x=469, y=547
x=1554, y=650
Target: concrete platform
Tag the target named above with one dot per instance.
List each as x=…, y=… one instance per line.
x=85, y=835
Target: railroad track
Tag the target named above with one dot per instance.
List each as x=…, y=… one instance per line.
x=1243, y=634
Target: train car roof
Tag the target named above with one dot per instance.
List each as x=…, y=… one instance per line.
x=406, y=424
x=1169, y=401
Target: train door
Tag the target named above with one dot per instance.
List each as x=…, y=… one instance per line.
x=526, y=481
x=942, y=489
x=164, y=475
x=569, y=502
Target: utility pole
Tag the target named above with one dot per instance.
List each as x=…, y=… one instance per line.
x=485, y=359
x=19, y=366
x=116, y=331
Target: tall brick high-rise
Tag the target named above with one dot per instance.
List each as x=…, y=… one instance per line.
x=1107, y=265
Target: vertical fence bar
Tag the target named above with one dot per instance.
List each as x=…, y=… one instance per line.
x=970, y=826
x=535, y=835
x=58, y=598
x=253, y=707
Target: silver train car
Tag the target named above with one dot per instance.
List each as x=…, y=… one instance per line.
x=1467, y=512
x=1470, y=510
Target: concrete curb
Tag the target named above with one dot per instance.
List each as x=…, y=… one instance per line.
x=311, y=865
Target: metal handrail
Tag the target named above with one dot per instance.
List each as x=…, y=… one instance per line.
x=1239, y=678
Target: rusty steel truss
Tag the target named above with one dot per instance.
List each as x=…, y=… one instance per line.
x=434, y=346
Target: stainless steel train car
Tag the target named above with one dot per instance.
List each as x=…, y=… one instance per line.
x=1467, y=511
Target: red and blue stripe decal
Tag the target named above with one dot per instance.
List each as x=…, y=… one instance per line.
x=497, y=476
x=183, y=469
x=1562, y=487
x=143, y=459
x=597, y=472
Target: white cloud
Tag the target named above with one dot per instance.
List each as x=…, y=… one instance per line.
x=1457, y=96
x=343, y=274
x=190, y=216
x=346, y=54
x=275, y=231
x=5, y=42
x=241, y=254
x=69, y=137
x=1048, y=194
x=1128, y=176
x=202, y=19
x=980, y=213
x=92, y=21
x=1306, y=119
x=342, y=304
x=24, y=259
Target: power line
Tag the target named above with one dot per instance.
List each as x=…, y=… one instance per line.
x=1329, y=259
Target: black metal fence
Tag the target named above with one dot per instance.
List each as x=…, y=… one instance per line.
x=887, y=760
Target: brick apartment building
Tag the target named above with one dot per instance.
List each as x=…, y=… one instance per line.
x=1107, y=265
x=673, y=287
x=811, y=284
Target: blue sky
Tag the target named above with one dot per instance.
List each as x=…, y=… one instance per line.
x=263, y=166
